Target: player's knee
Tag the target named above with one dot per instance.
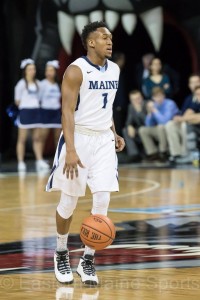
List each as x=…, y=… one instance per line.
x=101, y=202
x=66, y=205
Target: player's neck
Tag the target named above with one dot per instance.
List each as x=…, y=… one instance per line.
x=96, y=60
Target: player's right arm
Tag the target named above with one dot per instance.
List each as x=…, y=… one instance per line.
x=70, y=90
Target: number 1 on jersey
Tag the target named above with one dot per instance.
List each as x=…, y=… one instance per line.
x=105, y=99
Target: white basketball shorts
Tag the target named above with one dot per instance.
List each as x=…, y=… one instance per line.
x=96, y=151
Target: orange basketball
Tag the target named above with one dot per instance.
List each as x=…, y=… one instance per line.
x=97, y=232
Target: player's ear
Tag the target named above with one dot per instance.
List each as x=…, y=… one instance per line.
x=91, y=43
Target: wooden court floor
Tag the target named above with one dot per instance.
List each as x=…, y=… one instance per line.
x=156, y=252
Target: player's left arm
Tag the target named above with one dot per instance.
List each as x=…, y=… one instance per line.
x=119, y=141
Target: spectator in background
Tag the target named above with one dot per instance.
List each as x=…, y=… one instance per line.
x=142, y=72
x=159, y=112
x=50, y=97
x=27, y=100
x=191, y=116
x=193, y=82
x=142, y=69
x=135, y=119
x=156, y=79
x=177, y=128
x=121, y=102
x=193, y=113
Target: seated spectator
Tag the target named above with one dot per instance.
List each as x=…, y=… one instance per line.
x=177, y=140
x=192, y=117
x=156, y=78
x=193, y=82
x=193, y=113
x=159, y=112
x=135, y=119
x=177, y=128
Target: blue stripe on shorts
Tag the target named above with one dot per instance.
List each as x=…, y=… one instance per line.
x=55, y=165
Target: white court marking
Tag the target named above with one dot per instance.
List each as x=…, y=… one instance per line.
x=12, y=269
x=154, y=185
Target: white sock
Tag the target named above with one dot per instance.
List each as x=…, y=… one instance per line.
x=62, y=242
x=88, y=251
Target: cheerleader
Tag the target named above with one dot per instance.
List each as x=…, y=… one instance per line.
x=27, y=100
x=50, y=97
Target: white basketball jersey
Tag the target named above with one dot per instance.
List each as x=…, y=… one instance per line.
x=97, y=93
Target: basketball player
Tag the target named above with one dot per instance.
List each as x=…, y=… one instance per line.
x=86, y=149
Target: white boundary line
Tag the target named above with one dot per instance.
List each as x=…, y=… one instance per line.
x=12, y=269
x=154, y=185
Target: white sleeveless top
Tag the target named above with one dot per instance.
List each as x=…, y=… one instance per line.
x=49, y=95
x=97, y=93
x=28, y=96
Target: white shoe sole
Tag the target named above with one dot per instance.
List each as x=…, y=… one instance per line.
x=87, y=282
x=65, y=282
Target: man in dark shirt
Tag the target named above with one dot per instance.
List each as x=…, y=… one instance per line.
x=135, y=119
x=191, y=116
x=193, y=82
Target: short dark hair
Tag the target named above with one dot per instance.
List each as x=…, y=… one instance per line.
x=91, y=27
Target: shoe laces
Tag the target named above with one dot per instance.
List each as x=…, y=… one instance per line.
x=88, y=266
x=63, y=263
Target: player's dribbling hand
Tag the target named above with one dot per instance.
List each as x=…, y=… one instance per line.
x=72, y=161
x=119, y=143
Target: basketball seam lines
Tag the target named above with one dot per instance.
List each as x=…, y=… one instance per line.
x=100, y=232
x=106, y=224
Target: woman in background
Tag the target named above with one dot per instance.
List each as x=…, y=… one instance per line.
x=156, y=78
x=50, y=97
x=27, y=100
